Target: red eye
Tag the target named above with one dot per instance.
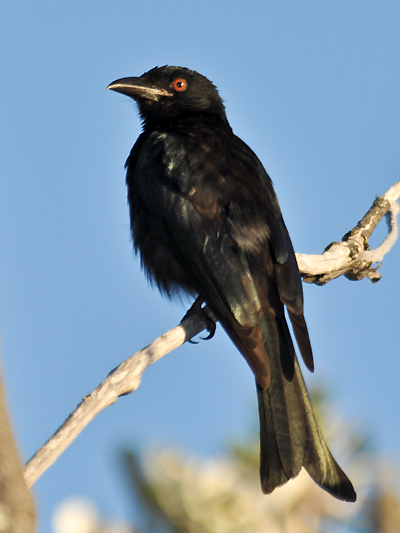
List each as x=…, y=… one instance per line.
x=180, y=85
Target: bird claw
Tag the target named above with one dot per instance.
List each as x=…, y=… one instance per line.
x=195, y=310
x=211, y=328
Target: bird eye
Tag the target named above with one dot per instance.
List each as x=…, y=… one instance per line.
x=180, y=85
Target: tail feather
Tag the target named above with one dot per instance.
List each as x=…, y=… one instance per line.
x=286, y=411
x=271, y=472
x=318, y=460
x=291, y=438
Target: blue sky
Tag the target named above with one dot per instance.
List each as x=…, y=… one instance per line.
x=312, y=87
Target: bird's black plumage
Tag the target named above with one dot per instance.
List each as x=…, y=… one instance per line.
x=205, y=219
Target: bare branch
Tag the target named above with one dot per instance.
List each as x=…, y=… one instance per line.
x=350, y=257
x=122, y=380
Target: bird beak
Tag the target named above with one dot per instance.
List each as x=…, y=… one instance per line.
x=137, y=88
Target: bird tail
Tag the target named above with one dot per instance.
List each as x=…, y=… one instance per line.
x=289, y=433
x=290, y=436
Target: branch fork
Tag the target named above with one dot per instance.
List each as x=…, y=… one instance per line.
x=352, y=256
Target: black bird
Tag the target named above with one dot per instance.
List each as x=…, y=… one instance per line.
x=206, y=221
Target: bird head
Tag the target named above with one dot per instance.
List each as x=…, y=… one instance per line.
x=168, y=93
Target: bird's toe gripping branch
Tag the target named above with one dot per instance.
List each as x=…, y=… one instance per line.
x=206, y=314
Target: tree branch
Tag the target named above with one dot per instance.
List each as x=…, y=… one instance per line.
x=351, y=257
x=121, y=381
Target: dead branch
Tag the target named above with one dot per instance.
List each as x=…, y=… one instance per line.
x=121, y=381
x=351, y=258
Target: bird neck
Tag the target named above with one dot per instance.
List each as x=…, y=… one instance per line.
x=185, y=122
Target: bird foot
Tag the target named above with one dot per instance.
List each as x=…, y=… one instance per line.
x=197, y=309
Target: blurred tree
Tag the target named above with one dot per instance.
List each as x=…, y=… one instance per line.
x=178, y=493
x=81, y=515
x=181, y=494
x=17, y=513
